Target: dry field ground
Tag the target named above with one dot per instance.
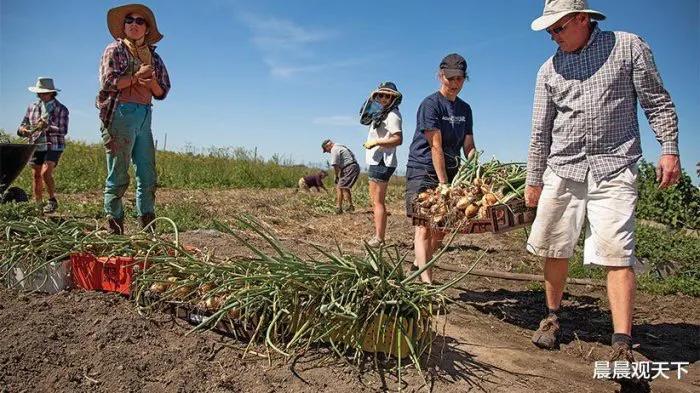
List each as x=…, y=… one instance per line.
x=77, y=341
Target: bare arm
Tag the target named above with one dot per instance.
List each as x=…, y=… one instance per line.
x=434, y=138
x=392, y=140
x=468, y=145
x=336, y=169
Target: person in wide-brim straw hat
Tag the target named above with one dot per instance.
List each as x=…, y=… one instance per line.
x=582, y=160
x=132, y=75
x=116, y=16
x=45, y=124
x=554, y=10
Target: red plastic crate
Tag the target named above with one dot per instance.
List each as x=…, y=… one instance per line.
x=113, y=274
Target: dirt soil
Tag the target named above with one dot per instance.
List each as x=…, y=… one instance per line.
x=79, y=341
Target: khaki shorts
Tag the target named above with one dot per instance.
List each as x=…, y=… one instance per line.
x=607, y=209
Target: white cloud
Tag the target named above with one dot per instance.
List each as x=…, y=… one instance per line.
x=337, y=121
x=288, y=48
x=272, y=34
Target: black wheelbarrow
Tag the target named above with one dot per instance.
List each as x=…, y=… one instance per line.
x=13, y=158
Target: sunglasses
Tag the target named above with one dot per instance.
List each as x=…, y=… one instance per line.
x=130, y=19
x=560, y=29
x=382, y=95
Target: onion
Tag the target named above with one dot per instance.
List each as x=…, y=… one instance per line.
x=206, y=288
x=212, y=303
x=489, y=199
x=158, y=287
x=463, y=202
x=471, y=210
x=234, y=313
x=182, y=292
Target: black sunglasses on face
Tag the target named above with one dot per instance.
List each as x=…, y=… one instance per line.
x=130, y=19
x=379, y=96
x=558, y=30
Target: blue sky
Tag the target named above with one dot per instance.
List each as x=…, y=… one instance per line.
x=281, y=76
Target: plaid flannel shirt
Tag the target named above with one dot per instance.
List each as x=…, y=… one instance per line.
x=116, y=63
x=57, y=128
x=585, y=109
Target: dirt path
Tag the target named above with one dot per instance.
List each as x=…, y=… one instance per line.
x=81, y=341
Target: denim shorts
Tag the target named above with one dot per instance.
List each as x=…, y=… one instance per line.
x=40, y=157
x=419, y=180
x=380, y=172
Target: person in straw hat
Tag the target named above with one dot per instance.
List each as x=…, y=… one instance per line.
x=132, y=74
x=582, y=161
x=444, y=130
x=384, y=136
x=46, y=124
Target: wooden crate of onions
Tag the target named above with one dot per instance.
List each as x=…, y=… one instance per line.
x=484, y=197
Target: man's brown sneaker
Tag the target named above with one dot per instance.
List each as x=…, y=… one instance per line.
x=621, y=352
x=547, y=335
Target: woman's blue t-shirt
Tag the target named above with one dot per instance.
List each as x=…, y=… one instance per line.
x=453, y=119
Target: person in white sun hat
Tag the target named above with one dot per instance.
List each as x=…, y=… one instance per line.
x=582, y=161
x=46, y=124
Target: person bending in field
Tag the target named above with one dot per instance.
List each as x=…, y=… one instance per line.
x=346, y=169
x=313, y=181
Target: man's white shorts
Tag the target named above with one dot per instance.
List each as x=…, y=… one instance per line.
x=606, y=207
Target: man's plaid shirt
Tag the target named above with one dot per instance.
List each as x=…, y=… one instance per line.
x=585, y=110
x=116, y=63
x=58, y=124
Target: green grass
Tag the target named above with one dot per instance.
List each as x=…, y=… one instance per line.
x=82, y=168
x=673, y=259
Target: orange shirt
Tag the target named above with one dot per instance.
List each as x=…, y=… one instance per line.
x=136, y=93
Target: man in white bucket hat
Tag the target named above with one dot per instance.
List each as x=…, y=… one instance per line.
x=46, y=124
x=584, y=148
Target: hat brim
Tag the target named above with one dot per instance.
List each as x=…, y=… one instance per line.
x=545, y=21
x=115, y=22
x=451, y=73
x=385, y=90
x=35, y=89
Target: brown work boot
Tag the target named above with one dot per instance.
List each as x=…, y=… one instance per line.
x=51, y=206
x=146, y=219
x=621, y=352
x=116, y=225
x=547, y=335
